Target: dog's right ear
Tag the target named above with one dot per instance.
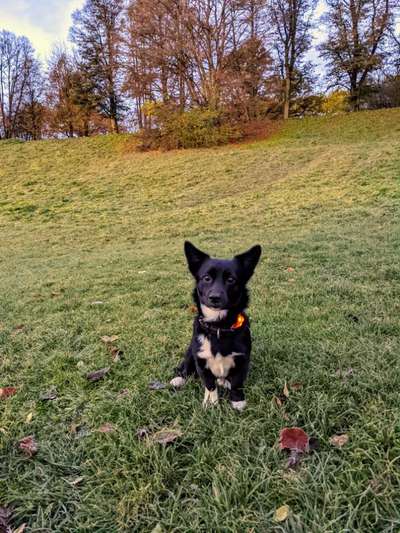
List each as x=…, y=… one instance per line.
x=195, y=257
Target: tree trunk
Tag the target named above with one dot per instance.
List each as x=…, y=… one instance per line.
x=286, y=102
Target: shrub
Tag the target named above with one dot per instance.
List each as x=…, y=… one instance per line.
x=336, y=102
x=195, y=128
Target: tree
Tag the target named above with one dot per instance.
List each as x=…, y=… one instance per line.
x=96, y=32
x=355, y=47
x=16, y=65
x=291, y=23
x=31, y=116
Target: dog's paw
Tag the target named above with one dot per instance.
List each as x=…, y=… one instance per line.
x=239, y=406
x=222, y=382
x=177, y=382
x=210, y=398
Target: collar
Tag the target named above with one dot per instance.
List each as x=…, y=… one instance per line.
x=210, y=327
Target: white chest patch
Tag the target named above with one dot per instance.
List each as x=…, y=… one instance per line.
x=218, y=364
x=213, y=315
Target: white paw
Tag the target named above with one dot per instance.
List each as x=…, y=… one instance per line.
x=222, y=382
x=210, y=397
x=239, y=406
x=177, y=382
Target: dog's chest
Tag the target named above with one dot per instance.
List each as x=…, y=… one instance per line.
x=218, y=364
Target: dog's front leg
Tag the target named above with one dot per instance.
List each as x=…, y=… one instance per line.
x=210, y=391
x=237, y=379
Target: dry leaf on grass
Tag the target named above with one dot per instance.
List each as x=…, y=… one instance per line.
x=296, y=441
x=109, y=339
x=165, y=436
x=106, y=428
x=6, y=392
x=49, y=395
x=97, y=302
x=28, y=418
x=97, y=374
x=290, y=269
x=142, y=433
x=116, y=353
x=17, y=329
x=339, y=440
x=281, y=513
x=28, y=446
x=156, y=385
x=296, y=386
x=286, y=390
x=123, y=393
x=76, y=481
x=5, y=517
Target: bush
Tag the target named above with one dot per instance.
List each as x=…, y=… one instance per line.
x=336, y=102
x=195, y=128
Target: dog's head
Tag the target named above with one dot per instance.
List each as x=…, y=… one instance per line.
x=221, y=283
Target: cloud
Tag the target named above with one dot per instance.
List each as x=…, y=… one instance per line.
x=44, y=22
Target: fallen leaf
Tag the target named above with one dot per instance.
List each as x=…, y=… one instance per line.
x=290, y=269
x=116, y=353
x=49, y=395
x=106, y=428
x=157, y=529
x=5, y=517
x=20, y=529
x=28, y=446
x=281, y=513
x=97, y=374
x=296, y=441
x=97, y=302
x=278, y=401
x=296, y=386
x=286, y=390
x=17, y=329
x=165, y=436
x=28, y=418
x=123, y=393
x=339, y=440
x=109, y=340
x=54, y=294
x=6, y=392
x=193, y=309
x=156, y=385
x=346, y=373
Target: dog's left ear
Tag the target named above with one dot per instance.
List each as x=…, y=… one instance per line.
x=248, y=260
x=195, y=257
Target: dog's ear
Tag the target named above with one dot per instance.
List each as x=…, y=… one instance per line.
x=248, y=260
x=195, y=257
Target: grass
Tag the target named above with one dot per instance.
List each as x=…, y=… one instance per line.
x=90, y=220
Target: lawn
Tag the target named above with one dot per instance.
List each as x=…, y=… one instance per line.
x=92, y=244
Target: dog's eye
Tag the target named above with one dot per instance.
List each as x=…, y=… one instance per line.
x=231, y=279
x=207, y=278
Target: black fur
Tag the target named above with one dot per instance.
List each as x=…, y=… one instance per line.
x=220, y=285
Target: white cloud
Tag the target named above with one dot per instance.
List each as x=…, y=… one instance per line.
x=44, y=22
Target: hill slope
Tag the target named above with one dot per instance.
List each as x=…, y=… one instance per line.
x=90, y=220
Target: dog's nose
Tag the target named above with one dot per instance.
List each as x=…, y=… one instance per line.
x=214, y=299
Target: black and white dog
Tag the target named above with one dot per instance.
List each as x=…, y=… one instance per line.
x=219, y=351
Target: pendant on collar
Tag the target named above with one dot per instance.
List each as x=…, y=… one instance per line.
x=239, y=321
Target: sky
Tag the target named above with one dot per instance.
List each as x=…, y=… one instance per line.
x=44, y=22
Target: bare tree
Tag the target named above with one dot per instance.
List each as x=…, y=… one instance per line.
x=355, y=46
x=291, y=23
x=16, y=64
x=96, y=32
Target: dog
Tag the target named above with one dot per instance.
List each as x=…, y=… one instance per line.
x=219, y=352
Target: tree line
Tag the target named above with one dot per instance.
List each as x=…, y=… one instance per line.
x=239, y=59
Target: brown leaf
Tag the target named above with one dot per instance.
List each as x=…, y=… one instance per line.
x=339, y=440
x=28, y=418
x=290, y=269
x=17, y=329
x=97, y=374
x=142, y=433
x=6, y=392
x=123, y=393
x=286, y=390
x=165, y=436
x=296, y=386
x=28, y=446
x=116, y=353
x=278, y=401
x=109, y=340
x=281, y=513
x=293, y=439
x=193, y=309
x=49, y=395
x=5, y=517
x=106, y=428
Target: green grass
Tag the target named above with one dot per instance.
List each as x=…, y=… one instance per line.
x=89, y=219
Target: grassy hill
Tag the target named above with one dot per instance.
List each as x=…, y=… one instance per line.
x=89, y=220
